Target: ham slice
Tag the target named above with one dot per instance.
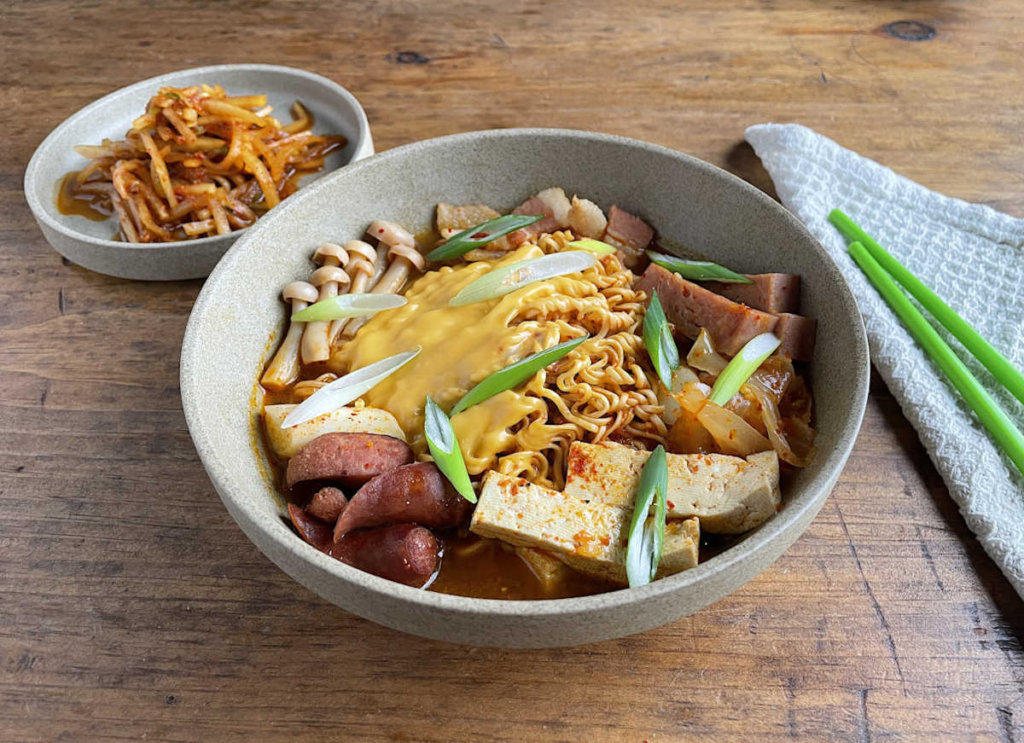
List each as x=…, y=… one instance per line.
x=691, y=307
x=770, y=292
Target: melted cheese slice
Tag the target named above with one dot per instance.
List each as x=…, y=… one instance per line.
x=460, y=347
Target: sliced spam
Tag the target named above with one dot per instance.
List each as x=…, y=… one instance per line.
x=768, y=292
x=729, y=495
x=796, y=334
x=286, y=442
x=730, y=324
x=590, y=537
x=691, y=307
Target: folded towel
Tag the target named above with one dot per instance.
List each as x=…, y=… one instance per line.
x=970, y=255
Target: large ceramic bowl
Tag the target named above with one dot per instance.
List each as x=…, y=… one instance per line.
x=90, y=244
x=685, y=199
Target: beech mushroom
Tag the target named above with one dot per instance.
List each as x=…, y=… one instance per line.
x=330, y=279
x=402, y=254
x=362, y=268
x=284, y=368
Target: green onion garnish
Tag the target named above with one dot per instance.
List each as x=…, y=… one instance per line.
x=345, y=389
x=444, y=448
x=993, y=417
x=515, y=374
x=697, y=270
x=594, y=246
x=1000, y=366
x=643, y=550
x=348, y=305
x=742, y=365
x=477, y=237
x=506, y=279
x=661, y=346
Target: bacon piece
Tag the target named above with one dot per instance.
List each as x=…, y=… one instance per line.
x=630, y=234
x=558, y=205
x=550, y=202
x=586, y=219
x=452, y=220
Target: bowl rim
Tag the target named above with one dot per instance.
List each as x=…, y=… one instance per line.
x=35, y=162
x=760, y=541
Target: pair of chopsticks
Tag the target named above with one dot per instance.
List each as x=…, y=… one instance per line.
x=884, y=271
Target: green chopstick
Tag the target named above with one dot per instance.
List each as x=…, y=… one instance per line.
x=988, y=411
x=1005, y=372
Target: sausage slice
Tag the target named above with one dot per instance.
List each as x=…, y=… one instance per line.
x=327, y=504
x=405, y=553
x=351, y=458
x=415, y=493
x=312, y=530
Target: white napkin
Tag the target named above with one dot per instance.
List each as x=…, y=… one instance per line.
x=970, y=255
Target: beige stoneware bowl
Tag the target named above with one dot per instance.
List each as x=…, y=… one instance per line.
x=685, y=199
x=90, y=244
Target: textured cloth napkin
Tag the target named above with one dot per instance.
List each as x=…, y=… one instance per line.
x=970, y=255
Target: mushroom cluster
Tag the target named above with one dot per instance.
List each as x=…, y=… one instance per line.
x=356, y=268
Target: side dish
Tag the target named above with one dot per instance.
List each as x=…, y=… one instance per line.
x=197, y=163
x=533, y=405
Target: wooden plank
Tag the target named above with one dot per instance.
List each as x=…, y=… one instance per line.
x=131, y=605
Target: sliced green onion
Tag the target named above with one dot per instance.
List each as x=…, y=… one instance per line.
x=506, y=279
x=350, y=387
x=742, y=365
x=594, y=246
x=515, y=374
x=661, y=346
x=697, y=270
x=348, y=305
x=643, y=550
x=477, y=237
x=444, y=448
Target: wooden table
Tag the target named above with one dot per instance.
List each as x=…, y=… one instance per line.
x=132, y=607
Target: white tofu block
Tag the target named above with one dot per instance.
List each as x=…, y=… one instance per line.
x=730, y=495
x=590, y=537
x=548, y=569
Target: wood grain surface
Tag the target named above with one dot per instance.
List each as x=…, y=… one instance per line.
x=132, y=607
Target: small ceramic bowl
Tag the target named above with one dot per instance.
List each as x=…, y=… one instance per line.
x=91, y=244
x=685, y=199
